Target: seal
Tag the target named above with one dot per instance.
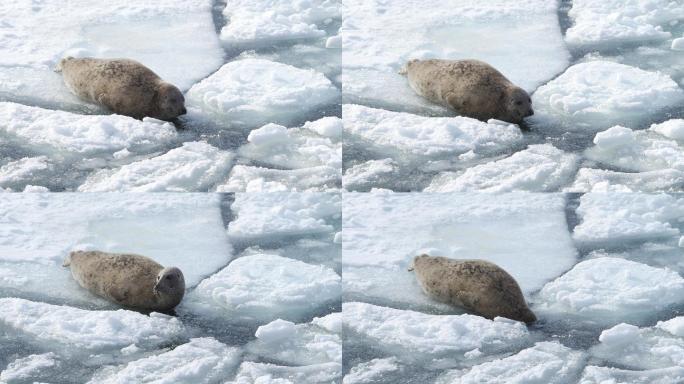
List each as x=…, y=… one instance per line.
x=124, y=86
x=476, y=285
x=471, y=87
x=129, y=280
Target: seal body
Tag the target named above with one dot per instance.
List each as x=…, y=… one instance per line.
x=473, y=88
x=123, y=86
x=476, y=285
x=129, y=280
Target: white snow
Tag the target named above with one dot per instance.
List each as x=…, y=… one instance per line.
x=263, y=287
x=521, y=39
x=195, y=166
x=254, y=24
x=607, y=23
x=604, y=375
x=252, y=373
x=371, y=371
x=201, y=360
x=539, y=168
x=252, y=92
x=246, y=178
x=57, y=132
x=27, y=367
x=545, y=362
x=18, y=173
x=93, y=331
x=524, y=233
x=179, y=44
x=599, y=94
x=369, y=174
x=416, y=336
x=608, y=290
x=278, y=214
x=613, y=219
x=601, y=180
x=331, y=322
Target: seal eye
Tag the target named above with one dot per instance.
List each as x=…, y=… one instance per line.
x=168, y=277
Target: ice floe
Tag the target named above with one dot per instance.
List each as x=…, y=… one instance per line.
x=599, y=94
x=19, y=173
x=601, y=180
x=245, y=178
x=602, y=375
x=250, y=373
x=28, y=367
x=252, y=92
x=371, y=174
x=372, y=371
x=264, y=287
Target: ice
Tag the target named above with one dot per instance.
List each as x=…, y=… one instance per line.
x=524, y=233
x=332, y=322
x=195, y=166
x=656, y=254
x=413, y=138
x=80, y=330
x=180, y=42
x=370, y=174
x=281, y=214
x=641, y=348
x=27, y=367
x=545, y=362
x=245, y=178
x=263, y=287
x=18, y=173
x=608, y=290
x=165, y=227
x=334, y=42
x=678, y=44
x=539, y=168
x=254, y=24
x=612, y=219
x=372, y=371
x=607, y=23
x=521, y=39
x=201, y=360
x=252, y=92
x=601, y=180
x=58, y=133
x=297, y=344
x=593, y=95
x=416, y=336
x=251, y=373
x=604, y=375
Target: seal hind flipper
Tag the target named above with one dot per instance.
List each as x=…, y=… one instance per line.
x=67, y=261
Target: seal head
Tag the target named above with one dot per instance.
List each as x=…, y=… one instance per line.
x=519, y=104
x=171, y=102
x=170, y=281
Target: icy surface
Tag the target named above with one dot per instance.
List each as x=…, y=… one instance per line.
x=250, y=92
x=250, y=373
x=601, y=375
x=522, y=40
x=29, y=366
x=600, y=180
x=600, y=94
x=371, y=371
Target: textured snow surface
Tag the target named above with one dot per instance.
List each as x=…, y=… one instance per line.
x=600, y=180
x=26, y=367
x=602, y=375
x=261, y=373
x=371, y=371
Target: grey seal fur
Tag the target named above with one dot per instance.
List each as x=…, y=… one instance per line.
x=471, y=87
x=129, y=280
x=476, y=285
x=124, y=86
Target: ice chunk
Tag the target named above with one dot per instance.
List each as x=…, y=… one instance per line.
x=180, y=42
x=81, y=330
x=539, y=168
x=253, y=92
x=604, y=375
x=245, y=178
x=254, y=24
x=334, y=42
x=27, y=367
x=673, y=128
x=273, y=215
x=56, y=132
x=19, y=173
x=606, y=23
x=364, y=176
x=678, y=44
x=612, y=219
x=195, y=166
x=264, y=287
x=545, y=362
x=415, y=336
x=201, y=360
x=250, y=373
x=372, y=371
x=601, y=180
x=524, y=233
x=331, y=322
x=599, y=94
x=640, y=348
x=379, y=37
x=608, y=290
x=296, y=344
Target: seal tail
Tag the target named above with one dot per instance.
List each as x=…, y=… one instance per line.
x=67, y=260
x=404, y=70
x=60, y=65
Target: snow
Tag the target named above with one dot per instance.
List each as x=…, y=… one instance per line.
x=27, y=367
x=280, y=214
x=263, y=287
x=253, y=24
x=539, y=168
x=418, y=336
x=524, y=233
x=80, y=330
x=194, y=166
x=600, y=180
x=331, y=322
x=678, y=44
x=24, y=171
x=370, y=174
x=613, y=219
x=604, y=375
x=261, y=373
x=334, y=42
x=608, y=290
x=545, y=362
x=606, y=23
x=371, y=371
x=245, y=178
x=599, y=94
x=201, y=360
x=252, y=92
x=180, y=42
x=379, y=37
x=165, y=227
x=54, y=133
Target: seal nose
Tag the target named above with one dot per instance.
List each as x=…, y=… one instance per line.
x=184, y=111
x=530, y=112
